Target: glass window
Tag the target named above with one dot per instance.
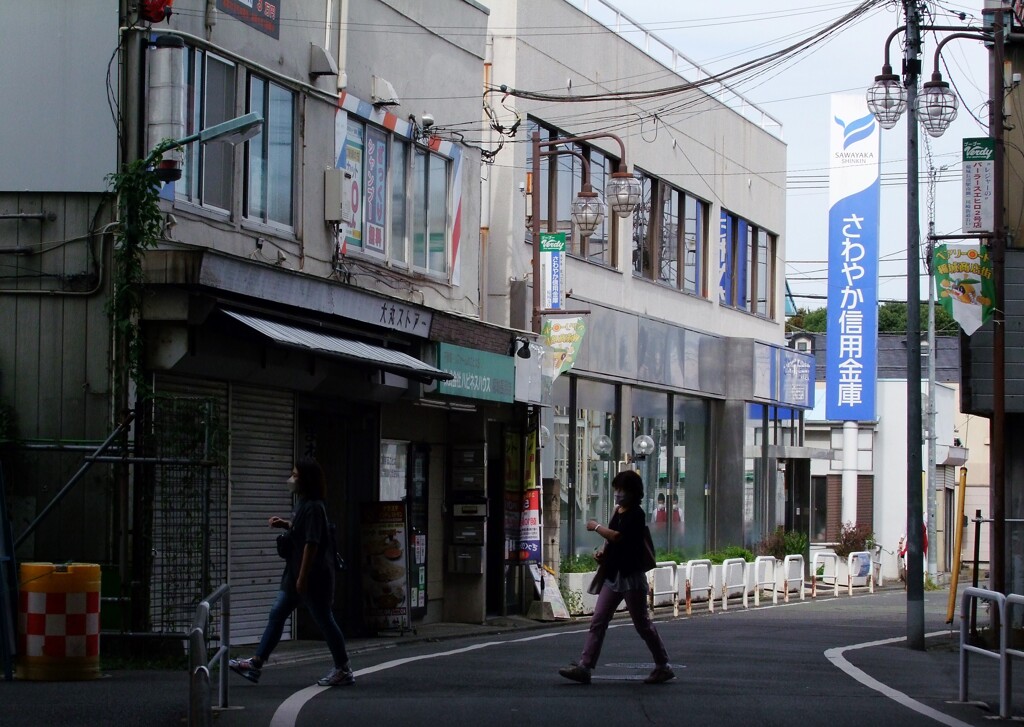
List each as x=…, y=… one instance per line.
x=748, y=266
x=643, y=223
x=695, y=241
x=375, y=200
x=668, y=259
x=687, y=496
x=437, y=214
x=210, y=98
x=419, y=208
x=399, y=201
x=269, y=154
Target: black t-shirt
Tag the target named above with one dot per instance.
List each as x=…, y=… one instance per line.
x=309, y=525
x=625, y=556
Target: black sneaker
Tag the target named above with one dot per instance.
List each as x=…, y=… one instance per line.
x=660, y=675
x=245, y=668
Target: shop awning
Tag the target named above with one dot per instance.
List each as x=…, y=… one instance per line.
x=355, y=351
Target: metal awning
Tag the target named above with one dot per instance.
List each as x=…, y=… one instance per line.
x=343, y=348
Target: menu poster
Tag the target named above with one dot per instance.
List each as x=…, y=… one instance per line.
x=385, y=566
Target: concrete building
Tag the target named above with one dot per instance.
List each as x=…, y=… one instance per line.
x=881, y=456
x=683, y=300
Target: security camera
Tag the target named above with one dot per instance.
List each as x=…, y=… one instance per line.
x=427, y=120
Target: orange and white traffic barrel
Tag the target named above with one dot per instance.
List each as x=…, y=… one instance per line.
x=58, y=621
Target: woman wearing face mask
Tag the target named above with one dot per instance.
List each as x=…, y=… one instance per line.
x=308, y=578
x=621, y=558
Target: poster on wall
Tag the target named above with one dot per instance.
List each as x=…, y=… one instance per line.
x=385, y=566
x=375, y=192
x=354, y=167
x=513, y=495
x=529, y=530
x=394, y=457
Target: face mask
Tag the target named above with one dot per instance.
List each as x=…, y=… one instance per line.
x=292, y=481
x=620, y=497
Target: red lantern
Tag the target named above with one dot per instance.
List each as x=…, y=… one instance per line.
x=155, y=11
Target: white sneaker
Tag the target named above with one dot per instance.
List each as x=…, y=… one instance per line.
x=337, y=678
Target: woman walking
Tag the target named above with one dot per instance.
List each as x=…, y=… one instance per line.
x=621, y=560
x=308, y=578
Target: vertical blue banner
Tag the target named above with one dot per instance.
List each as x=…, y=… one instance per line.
x=725, y=259
x=851, y=355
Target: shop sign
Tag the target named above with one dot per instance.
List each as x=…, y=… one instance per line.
x=263, y=15
x=476, y=374
x=385, y=565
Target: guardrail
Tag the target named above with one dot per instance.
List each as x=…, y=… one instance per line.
x=200, y=711
x=792, y=573
x=827, y=558
x=1004, y=654
x=698, y=579
x=734, y=576
x=856, y=563
x=763, y=576
x=662, y=589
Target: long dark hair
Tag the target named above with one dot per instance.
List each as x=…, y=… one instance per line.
x=632, y=486
x=312, y=484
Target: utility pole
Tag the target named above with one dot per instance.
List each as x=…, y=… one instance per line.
x=932, y=436
x=915, y=524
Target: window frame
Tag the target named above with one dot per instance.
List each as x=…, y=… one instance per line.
x=264, y=138
x=192, y=187
x=749, y=266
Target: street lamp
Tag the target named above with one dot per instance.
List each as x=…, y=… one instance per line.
x=622, y=191
x=936, y=107
x=232, y=131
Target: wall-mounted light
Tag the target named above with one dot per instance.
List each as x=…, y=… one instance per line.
x=643, y=446
x=524, y=348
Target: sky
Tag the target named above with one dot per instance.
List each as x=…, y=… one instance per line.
x=719, y=36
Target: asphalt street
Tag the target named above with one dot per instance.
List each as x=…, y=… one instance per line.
x=830, y=661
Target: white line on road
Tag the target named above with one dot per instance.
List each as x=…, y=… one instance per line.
x=287, y=714
x=837, y=658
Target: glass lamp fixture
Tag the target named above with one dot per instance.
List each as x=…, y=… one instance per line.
x=643, y=445
x=936, y=106
x=623, y=193
x=887, y=99
x=602, y=445
x=587, y=212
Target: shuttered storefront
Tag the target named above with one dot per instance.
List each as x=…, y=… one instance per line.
x=262, y=455
x=258, y=424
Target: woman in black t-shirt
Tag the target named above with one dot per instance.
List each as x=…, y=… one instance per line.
x=621, y=561
x=308, y=578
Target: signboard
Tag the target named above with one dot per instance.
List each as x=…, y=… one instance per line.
x=264, y=15
x=477, y=374
x=394, y=457
x=552, y=270
x=963, y=278
x=513, y=482
x=978, y=181
x=383, y=537
x=528, y=548
x=563, y=337
x=376, y=188
x=851, y=355
x=353, y=165
x=546, y=587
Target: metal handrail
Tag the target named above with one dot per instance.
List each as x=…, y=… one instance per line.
x=200, y=712
x=974, y=594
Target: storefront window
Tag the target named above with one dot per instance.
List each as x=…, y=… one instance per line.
x=649, y=410
x=689, y=492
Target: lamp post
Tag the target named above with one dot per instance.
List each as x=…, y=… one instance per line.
x=623, y=194
x=935, y=108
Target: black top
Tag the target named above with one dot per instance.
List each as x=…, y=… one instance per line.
x=626, y=554
x=309, y=525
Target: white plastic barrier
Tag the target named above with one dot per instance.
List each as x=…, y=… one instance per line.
x=697, y=584
x=791, y=576
x=830, y=565
x=859, y=572
x=662, y=589
x=734, y=580
x=761, y=576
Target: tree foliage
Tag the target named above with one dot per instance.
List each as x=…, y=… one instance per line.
x=892, y=318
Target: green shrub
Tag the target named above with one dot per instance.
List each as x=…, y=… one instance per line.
x=579, y=564
x=675, y=555
x=781, y=543
x=731, y=551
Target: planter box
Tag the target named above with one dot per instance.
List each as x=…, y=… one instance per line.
x=572, y=583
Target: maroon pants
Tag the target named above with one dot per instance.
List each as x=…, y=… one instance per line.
x=636, y=603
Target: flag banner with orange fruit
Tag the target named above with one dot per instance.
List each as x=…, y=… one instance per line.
x=963, y=278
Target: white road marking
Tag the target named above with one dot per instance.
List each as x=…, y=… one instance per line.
x=837, y=658
x=287, y=714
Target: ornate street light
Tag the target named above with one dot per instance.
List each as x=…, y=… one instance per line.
x=587, y=210
x=936, y=106
x=887, y=99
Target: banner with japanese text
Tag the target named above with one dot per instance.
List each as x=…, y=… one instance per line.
x=963, y=278
x=851, y=357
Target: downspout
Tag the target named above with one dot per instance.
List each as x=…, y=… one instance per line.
x=484, y=287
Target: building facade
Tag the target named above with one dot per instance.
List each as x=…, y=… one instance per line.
x=682, y=371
